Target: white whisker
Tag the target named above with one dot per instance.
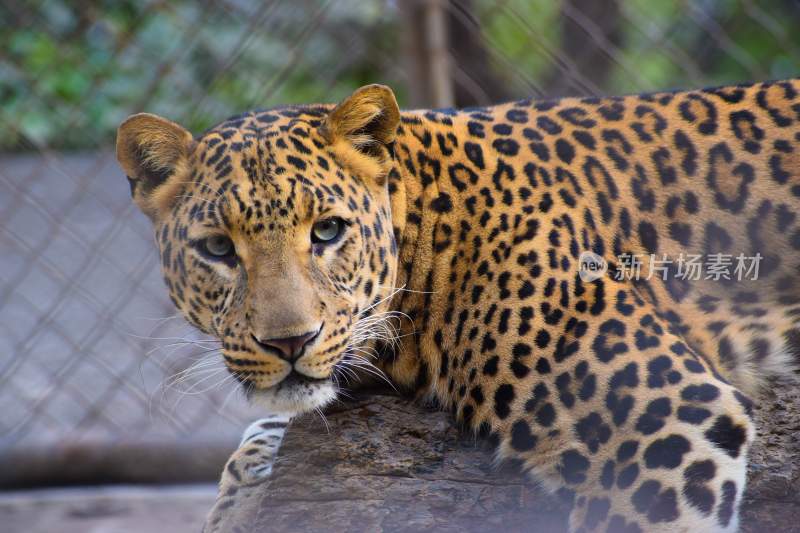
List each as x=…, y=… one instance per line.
x=403, y=289
x=324, y=419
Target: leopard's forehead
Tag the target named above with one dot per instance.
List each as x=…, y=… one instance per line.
x=269, y=164
x=268, y=123
x=276, y=149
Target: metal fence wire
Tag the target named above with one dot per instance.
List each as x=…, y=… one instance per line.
x=92, y=354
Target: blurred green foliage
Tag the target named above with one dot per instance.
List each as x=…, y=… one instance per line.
x=665, y=44
x=71, y=70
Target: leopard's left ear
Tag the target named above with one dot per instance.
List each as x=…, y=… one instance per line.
x=153, y=152
x=367, y=119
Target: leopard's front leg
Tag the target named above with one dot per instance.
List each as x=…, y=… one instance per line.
x=248, y=467
x=629, y=424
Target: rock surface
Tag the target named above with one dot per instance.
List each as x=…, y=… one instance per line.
x=386, y=464
x=772, y=500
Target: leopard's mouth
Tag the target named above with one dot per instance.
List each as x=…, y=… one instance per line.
x=293, y=395
x=295, y=379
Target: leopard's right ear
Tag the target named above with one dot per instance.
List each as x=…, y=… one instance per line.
x=154, y=154
x=362, y=129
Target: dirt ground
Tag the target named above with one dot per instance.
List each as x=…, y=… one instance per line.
x=117, y=509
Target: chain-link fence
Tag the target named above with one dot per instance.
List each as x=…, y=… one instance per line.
x=94, y=362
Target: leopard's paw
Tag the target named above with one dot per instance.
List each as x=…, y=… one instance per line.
x=252, y=462
x=249, y=466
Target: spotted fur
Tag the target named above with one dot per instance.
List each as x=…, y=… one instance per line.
x=247, y=469
x=628, y=398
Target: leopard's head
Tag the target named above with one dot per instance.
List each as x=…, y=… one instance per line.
x=275, y=235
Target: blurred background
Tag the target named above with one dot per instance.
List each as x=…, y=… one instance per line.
x=100, y=380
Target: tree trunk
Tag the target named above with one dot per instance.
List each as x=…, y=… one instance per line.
x=386, y=464
x=590, y=34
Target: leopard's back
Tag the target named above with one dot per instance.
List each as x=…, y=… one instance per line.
x=629, y=395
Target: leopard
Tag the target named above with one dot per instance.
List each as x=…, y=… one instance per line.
x=477, y=258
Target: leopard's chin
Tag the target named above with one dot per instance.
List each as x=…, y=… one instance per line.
x=293, y=396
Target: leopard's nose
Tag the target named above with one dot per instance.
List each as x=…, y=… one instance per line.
x=288, y=348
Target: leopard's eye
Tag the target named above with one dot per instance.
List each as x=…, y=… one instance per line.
x=327, y=230
x=218, y=246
